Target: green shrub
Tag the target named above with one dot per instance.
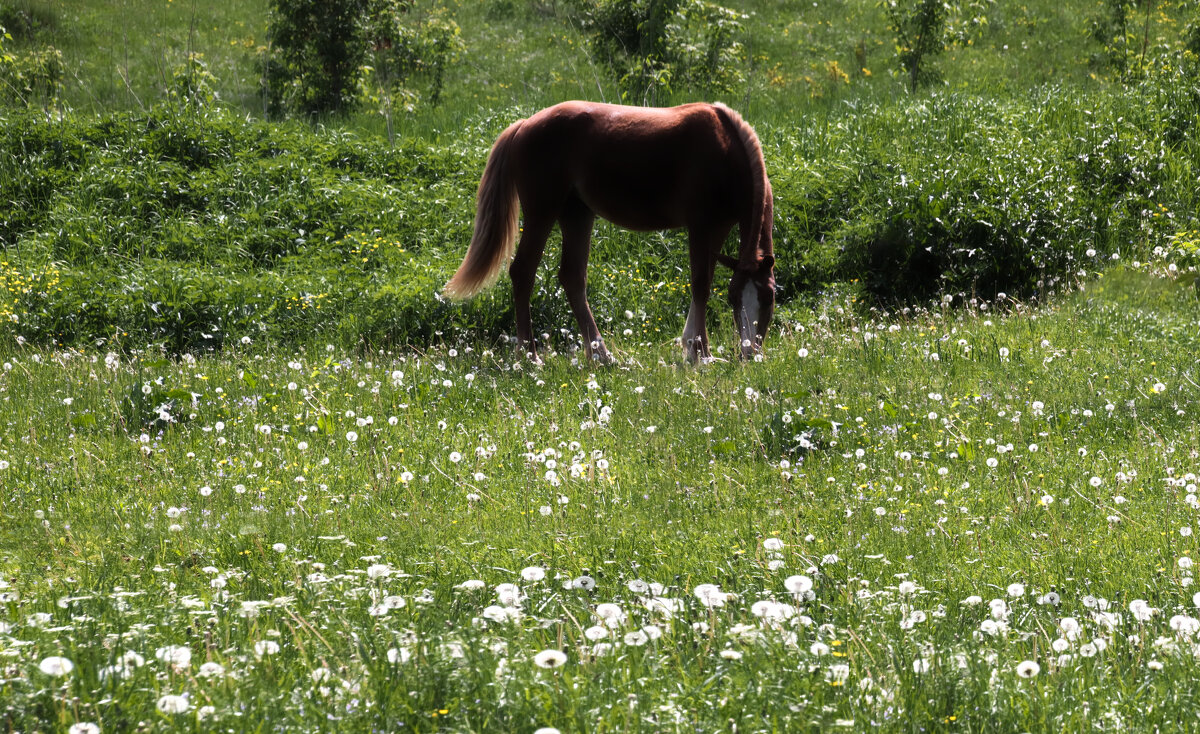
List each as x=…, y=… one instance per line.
x=920, y=30
x=187, y=226
x=331, y=56
x=654, y=46
x=28, y=74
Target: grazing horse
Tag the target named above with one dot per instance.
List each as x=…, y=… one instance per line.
x=697, y=166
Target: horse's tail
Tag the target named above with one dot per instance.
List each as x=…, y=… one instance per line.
x=496, y=213
x=761, y=204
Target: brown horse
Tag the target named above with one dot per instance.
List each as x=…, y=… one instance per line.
x=697, y=166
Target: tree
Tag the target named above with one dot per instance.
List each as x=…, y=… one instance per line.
x=920, y=29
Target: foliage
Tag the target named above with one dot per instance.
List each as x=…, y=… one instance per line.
x=653, y=46
x=1144, y=38
x=920, y=30
x=392, y=540
x=200, y=226
x=406, y=41
x=192, y=83
x=28, y=74
x=327, y=57
x=315, y=54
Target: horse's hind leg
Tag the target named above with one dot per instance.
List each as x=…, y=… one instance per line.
x=703, y=244
x=576, y=224
x=523, y=271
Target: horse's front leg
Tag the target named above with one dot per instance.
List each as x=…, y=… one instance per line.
x=576, y=224
x=703, y=244
x=523, y=271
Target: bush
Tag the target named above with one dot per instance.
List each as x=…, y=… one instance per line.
x=189, y=227
x=317, y=50
x=329, y=56
x=29, y=74
x=654, y=46
x=920, y=30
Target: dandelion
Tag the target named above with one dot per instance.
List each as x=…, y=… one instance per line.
x=549, y=729
x=508, y=594
x=710, y=595
x=56, y=666
x=838, y=674
x=637, y=638
x=1016, y=589
x=612, y=614
x=773, y=544
x=1141, y=610
x=731, y=654
x=596, y=633
x=173, y=704
x=1028, y=669
x=84, y=727
x=395, y=656
x=211, y=670
x=263, y=648
x=179, y=656
x=802, y=584
x=550, y=659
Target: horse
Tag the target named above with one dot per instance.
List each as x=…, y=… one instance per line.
x=696, y=166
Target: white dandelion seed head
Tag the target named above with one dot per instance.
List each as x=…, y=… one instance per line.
x=533, y=573
x=173, y=704
x=550, y=659
x=211, y=670
x=56, y=666
x=177, y=655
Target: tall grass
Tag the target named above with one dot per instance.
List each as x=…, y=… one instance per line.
x=884, y=524
x=198, y=225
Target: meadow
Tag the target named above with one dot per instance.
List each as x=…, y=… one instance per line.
x=255, y=474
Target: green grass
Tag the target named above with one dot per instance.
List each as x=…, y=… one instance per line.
x=249, y=458
x=131, y=531
x=120, y=54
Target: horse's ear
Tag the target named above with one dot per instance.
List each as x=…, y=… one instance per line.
x=727, y=261
x=767, y=262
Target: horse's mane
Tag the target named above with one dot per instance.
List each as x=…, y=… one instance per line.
x=761, y=205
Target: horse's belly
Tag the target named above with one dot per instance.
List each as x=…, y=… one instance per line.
x=637, y=207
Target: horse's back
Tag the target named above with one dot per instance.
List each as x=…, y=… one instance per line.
x=640, y=167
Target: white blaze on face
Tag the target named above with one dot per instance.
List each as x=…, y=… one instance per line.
x=748, y=318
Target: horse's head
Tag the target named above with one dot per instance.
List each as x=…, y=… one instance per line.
x=752, y=296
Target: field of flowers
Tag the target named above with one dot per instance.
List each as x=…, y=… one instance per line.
x=255, y=475
x=965, y=519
